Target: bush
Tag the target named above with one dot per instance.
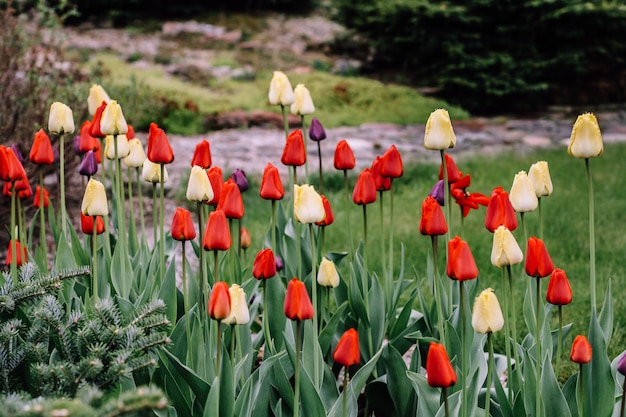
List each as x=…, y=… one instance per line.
x=489, y=55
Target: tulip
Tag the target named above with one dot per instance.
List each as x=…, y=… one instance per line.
x=11, y=169
x=538, y=262
x=505, y=250
x=327, y=276
x=464, y=198
x=239, y=313
x=437, y=192
x=202, y=155
x=61, y=119
x=231, y=201
x=217, y=182
x=159, y=149
x=294, y=153
x=151, y=172
x=41, y=152
x=439, y=370
x=137, y=155
x=487, y=315
x=245, y=239
x=219, y=304
x=18, y=153
x=37, y=199
x=344, y=157
x=586, y=139
x=123, y=148
x=391, y=165
x=22, y=255
x=280, y=91
x=522, y=195
x=95, y=200
x=382, y=183
x=96, y=96
x=86, y=142
x=89, y=165
x=113, y=121
x=500, y=211
x=86, y=223
x=461, y=265
x=329, y=217
x=365, y=188
x=621, y=365
x=94, y=128
x=217, y=233
x=347, y=350
x=559, y=291
x=239, y=176
x=27, y=192
x=453, y=171
x=279, y=263
x=130, y=133
x=303, y=103
x=271, y=185
x=182, y=225
x=581, y=350
x=308, y=206
x=20, y=186
x=264, y=266
x=432, y=222
x=539, y=175
x=439, y=133
x=316, y=131
x=199, y=186
x=297, y=302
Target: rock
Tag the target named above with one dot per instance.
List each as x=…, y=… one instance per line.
x=536, y=141
x=191, y=26
x=263, y=118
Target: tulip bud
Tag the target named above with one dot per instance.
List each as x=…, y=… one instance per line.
x=303, y=103
x=159, y=149
x=264, y=266
x=89, y=165
x=239, y=176
x=18, y=153
x=500, y=211
x=297, y=302
x=461, y=265
x=453, y=171
x=439, y=370
x=538, y=262
x=294, y=153
x=199, y=186
x=94, y=127
x=559, y=291
x=244, y=238
x=581, y=350
x=271, y=185
x=487, y=314
x=316, y=131
x=231, y=200
x=522, y=196
x=364, y=189
x=344, y=157
x=280, y=91
x=113, y=121
x=37, y=199
x=123, y=148
x=217, y=232
x=61, y=119
x=96, y=96
x=86, y=223
x=130, y=133
x=86, y=142
x=432, y=222
x=329, y=217
x=137, y=155
x=95, y=199
x=202, y=155
x=539, y=175
x=621, y=365
x=22, y=255
x=151, y=172
x=347, y=351
x=382, y=183
x=41, y=152
x=219, y=304
x=586, y=139
x=327, y=276
x=307, y=205
x=11, y=169
x=182, y=225
x=505, y=250
x=437, y=193
x=391, y=165
x=439, y=133
x=279, y=263
x=239, y=313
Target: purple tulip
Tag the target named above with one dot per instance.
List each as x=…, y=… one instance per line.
x=437, y=192
x=621, y=366
x=279, y=263
x=76, y=145
x=18, y=153
x=239, y=176
x=316, y=131
x=89, y=165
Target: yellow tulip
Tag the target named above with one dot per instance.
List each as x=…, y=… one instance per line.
x=280, y=90
x=199, y=187
x=239, y=313
x=113, y=121
x=123, y=147
x=505, y=250
x=439, y=133
x=303, y=103
x=137, y=155
x=61, y=119
x=487, y=314
x=586, y=139
x=151, y=172
x=328, y=276
x=95, y=199
x=539, y=175
x=522, y=195
x=96, y=96
x=308, y=206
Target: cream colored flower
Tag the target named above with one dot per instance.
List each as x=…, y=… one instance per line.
x=199, y=187
x=239, y=313
x=280, y=90
x=539, y=175
x=113, y=121
x=123, y=147
x=95, y=199
x=522, y=195
x=303, y=103
x=96, y=96
x=61, y=119
x=505, y=250
x=151, y=172
x=328, y=276
x=487, y=314
x=307, y=206
x=137, y=155
x=439, y=133
x=586, y=139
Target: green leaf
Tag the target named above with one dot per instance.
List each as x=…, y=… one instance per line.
x=428, y=397
x=199, y=387
x=398, y=384
x=598, y=380
x=554, y=402
x=377, y=312
x=606, y=315
x=121, y=272
x=328, y=332
x=169, y=293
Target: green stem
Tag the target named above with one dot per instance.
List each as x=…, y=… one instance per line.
x=94, y=252
x=391, y=271
x=186, y=306
x=162, y=230
x=580, y=390
x=514, y=324
x=62, y=170
x=316, y=373
x=346, y=380
x=538, y=347
x=239, y=221
x=464, y=351
x=319, y=158
x=140, y=198
x=42, y=220
x=384, y=276
x=347, y=194
x=283, y=110
x=444, y=392
x=559, y=346
x=266, y=328
x=306, y=152
x=218, y=358
x=490, y=367
x=14, y=233
x=232, y=346
x=437, y=289
x=529, y=286
x=215, y=268
x=154, y=214
x=273, y=227
x=507, y=335
x=203, y=282
x=365, y=278
x=132, y=227
x=540, y=218
x=447, y=204
x=296, y=394
x=592, y=240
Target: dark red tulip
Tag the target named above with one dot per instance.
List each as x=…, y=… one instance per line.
x=159, y=149
x=391, y=166
x=239, y=176
x=264, y=266
x=461, y=265
x=559, y=291
x=231, y=201
x=432, y=222
x=217, y=232
x=41, y=152
x=182, y=225
x=344, y=157
x=297, y=302
x=437, y=193
x=271, y=185
x=294, y=153
x=538, y=263
x=581, y=350
x=453, y=172
x=330, y=217
x=10, y=167
x=347, y=352
x=130, y=133
x=219, y=301
x=500, y=211
x=364, y=189
x=439, y=370
x=202, y=155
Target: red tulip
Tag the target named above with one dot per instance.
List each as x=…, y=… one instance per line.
x=130, y=133
x=559, y=291
x=432, y=223
x=329, y=218
x=271, y=185
x=217, y=232
x=41, y=152
x=294, y=153
x=22, y=255
x=538, y=262
x=461, y=265
x=364, y=189
x=391, y=166
x=94, y=128
x=217, y=181
x=382, y=183
x=26, y=192
x=86, y=142
x=202, y=155
x=264, y=266
x=500, y=211
x=453, y=172
x=231, y=201
x=439, y=370
x=159, y=149
x=219, y=301
x=244, y=238
x=297, y=302
x=182, y=225
x=10, y=167
x=581, y=350
x=347, y=350
x=465, y=199
x=37, y=199
x=86, y=223
x=344, y=157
